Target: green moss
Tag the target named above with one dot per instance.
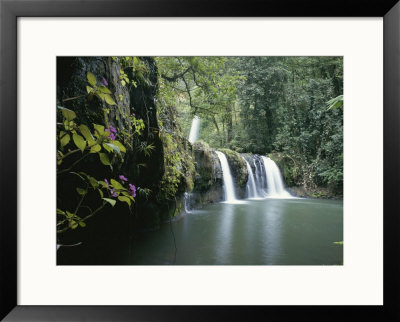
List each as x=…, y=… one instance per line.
x=205, y=172
x=201, y=145
x=191, y=172
x=179, y=167
x=179, y=208
x=237, y=166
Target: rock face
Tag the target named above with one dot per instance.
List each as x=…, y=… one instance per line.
x=208, y=186
x=139, y=100
x=238, y=170
x=208, y=181
x=179, y=168
x=166, y=169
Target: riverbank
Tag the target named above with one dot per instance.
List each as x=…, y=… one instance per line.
x=316, y=193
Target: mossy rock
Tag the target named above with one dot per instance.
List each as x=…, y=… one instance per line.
x=179, y=168
x=205, y=167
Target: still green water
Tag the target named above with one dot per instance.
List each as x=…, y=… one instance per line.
x=259, y=232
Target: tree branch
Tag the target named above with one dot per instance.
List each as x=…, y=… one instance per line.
x=175, y=76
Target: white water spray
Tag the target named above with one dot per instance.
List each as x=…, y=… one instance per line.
x=275, y=187
x=251, y=184
x=229, y=188
x=194, y=130
x=187, y=202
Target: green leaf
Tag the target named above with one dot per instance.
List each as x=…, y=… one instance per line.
x=338, y=243
x=123, y=83
x=60, y=212
x=82, y=224
x=103, y=184
x=110, y=201
x=104, y=159
x=101, y=95
x=99, y=129
x=86, y=132
x=119, y=145
x=65, y=140
x=91, y=79
x=69, y=214
x=81, y=191
x=73, y=224
x=113, y=147
x=124, y=199
x=93, y=182
x=104, y=90
x=127, y=194
x=89, y=89
x=68, y=114
x=107, y=148
x=79, y=141
x=116, y=184
x=66, y=125
x=101, y=193
x=109, y=100
x=95, y=148
x=335, y=102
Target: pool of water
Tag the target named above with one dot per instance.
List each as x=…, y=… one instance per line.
x=258, y=232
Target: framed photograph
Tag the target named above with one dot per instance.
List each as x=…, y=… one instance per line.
x=193, y=160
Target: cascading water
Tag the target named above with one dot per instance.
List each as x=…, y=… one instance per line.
x=187, y=202
x=260, y=176
x=193, y=136
x=229, y=188
x=194, y=130
x=251, y=188
x=275, y=187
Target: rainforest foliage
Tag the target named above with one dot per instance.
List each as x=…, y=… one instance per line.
x=289, y=107
x=122, y=124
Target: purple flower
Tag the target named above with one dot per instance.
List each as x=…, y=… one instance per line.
x=113, y=193
x=133, y=189
x=113, y=129
x=105, y=180
x=110, y=134
x=123, y=178
x=133, y=114
x=105, y=81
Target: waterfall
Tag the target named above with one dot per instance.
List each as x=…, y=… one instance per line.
x=194, y=130
x=260, y=176
x=251, y=188
x=187, y=202
x=275, y=187
x=229, y=188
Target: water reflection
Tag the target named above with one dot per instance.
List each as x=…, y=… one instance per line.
x=272, y=231
x=261, y=232
x=224, y=234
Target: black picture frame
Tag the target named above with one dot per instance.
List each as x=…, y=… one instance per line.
x=9, y=13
